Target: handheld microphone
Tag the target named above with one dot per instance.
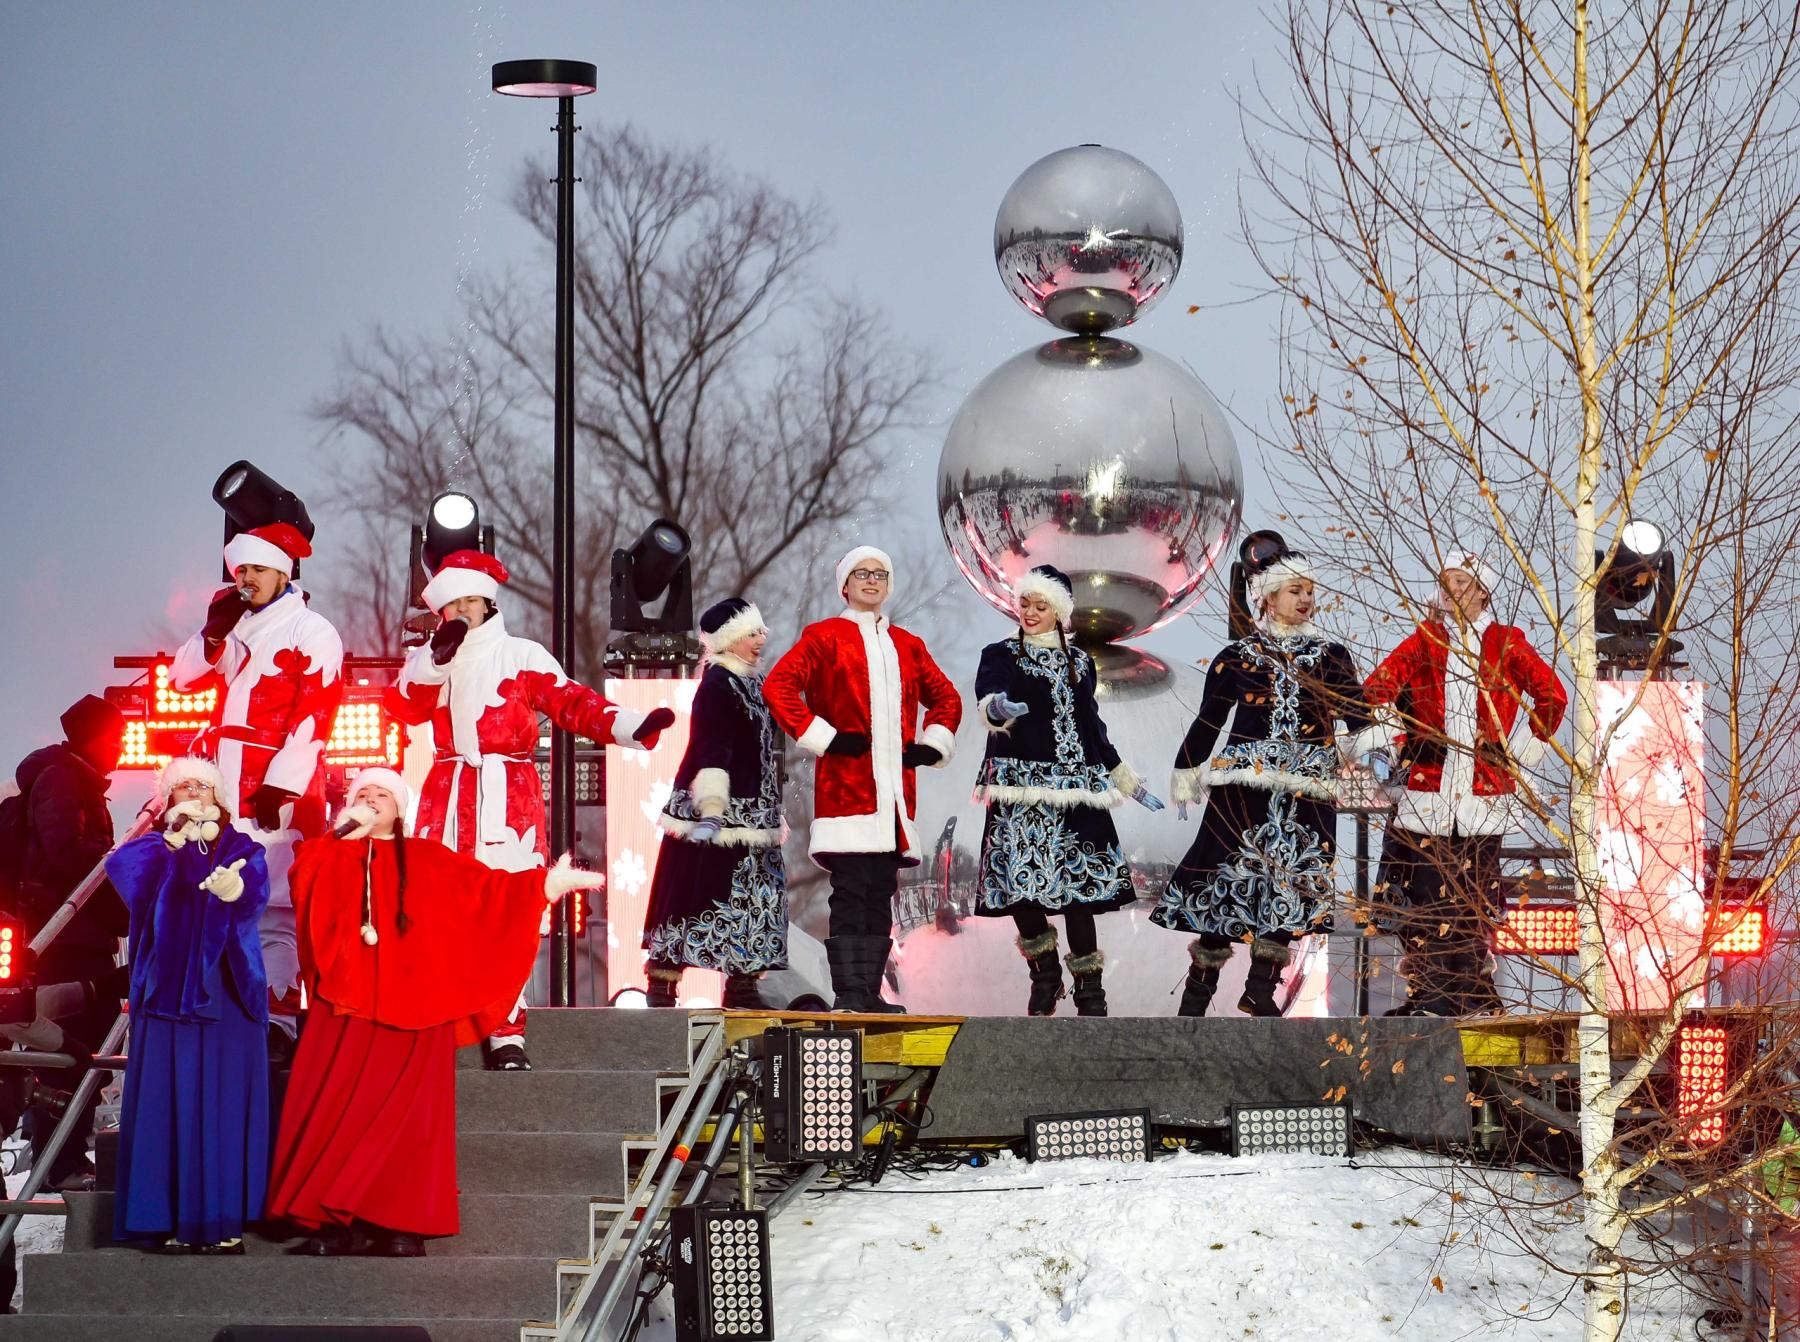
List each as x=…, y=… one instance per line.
x=345, y=828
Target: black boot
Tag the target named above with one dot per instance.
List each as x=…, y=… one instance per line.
x=741, y=993
x=1090, y=993
x=661, y=989
x=850, y=991
x=1202, y=977
x=1046, y=973
x=875, y=957
x=1267, y=960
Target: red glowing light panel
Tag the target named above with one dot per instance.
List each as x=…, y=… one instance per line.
x=638, y=783
x=11, y=940
x=169, y=716
x=363, y=735
x=1700, y=1081
x=1745, y=932
x=1539, y=929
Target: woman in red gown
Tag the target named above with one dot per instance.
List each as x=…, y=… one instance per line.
x=408, y=950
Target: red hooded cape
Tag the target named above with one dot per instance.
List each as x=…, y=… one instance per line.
x=472, y=938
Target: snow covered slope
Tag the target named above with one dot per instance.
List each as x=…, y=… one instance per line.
x=1189, y=1249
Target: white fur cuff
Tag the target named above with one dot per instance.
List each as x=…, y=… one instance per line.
x=1377, y=736
x=732, y=836
x=818, y=735
x=1124, y=779
x=941, y=739
x=566, y=876
x=1188, y=785
x=712, y=790
x=625, y=722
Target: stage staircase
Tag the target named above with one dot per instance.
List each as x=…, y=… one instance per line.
x=545, y=1158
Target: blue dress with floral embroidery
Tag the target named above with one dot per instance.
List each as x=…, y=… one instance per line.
x=1049, y=781
x=1262, y=861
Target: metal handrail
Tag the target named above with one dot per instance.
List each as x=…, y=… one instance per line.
x=40, y=1169
x=705, y=1074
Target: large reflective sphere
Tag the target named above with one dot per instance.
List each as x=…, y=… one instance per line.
x=1106, y=460
x=1088, y=238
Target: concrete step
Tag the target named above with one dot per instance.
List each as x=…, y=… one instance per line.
x=506, y=1225
x=585, y=1038
x=544, y=1100
x=281, y=1287
x=205, y=1327
x=585, y=1164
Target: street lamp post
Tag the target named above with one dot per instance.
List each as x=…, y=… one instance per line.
x=565, y=81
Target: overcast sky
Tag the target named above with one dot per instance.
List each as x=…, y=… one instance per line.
x=200, y=202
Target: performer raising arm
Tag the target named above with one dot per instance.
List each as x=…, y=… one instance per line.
x=482, y=689
x=410, y=950
x=280, y=666
x=1260, y=869
x=851, y=691
x=1049, y=781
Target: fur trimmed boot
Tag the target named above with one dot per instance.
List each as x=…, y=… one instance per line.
x=1267, y=960
x=1202, y=977
x=662, y=981
x=1090, y=993
x=1046, y=973
x=741, y=993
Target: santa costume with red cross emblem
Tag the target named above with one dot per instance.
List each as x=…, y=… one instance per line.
x=278, y=665
x=1458, y=685
x=482, y=690
x=852, y=691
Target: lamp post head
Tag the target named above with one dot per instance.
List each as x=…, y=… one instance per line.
x=545, y=78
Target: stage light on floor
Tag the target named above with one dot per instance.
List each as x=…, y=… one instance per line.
x=1293, y=1129
x=719, y=1261
x=1112, y=1134
x=811, y=1095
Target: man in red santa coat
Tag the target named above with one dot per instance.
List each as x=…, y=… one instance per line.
x=279, y=667
x=481, y=689
x=410, y=950
x=851, y=691
x=1457, y=681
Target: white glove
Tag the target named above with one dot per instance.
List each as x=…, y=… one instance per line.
x=363, y=816
x=225, y=882
x=566, y=876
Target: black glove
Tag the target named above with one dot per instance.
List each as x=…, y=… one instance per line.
x=446, y=639
x=222, y=615
x=266, y=803
x=848, y=743
x=920, y=756
x=656, y=720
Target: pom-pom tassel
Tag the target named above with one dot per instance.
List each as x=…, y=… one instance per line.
x=369, y=935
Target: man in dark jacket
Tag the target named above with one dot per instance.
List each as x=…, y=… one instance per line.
x=68, y=829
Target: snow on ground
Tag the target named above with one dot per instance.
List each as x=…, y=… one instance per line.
x=37, y=1234
x=1189, y=1248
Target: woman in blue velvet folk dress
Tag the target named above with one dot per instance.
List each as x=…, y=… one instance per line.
x=194, y=1140
x=1049, y=781
x=719, y=896
x=1260, y=871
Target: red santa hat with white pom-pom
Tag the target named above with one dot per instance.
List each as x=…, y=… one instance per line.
x=464, y=573
x=277, y=547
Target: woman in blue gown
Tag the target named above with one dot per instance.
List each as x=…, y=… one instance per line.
x=194, y=1144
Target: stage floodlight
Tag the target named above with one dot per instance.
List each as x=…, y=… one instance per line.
x=655, y=567
x=719, y=1267
x=452, y=523
x=363, y=735
x=253, y=498
x=811, y=1095
x=1294, y=1129
x=1702, y=1065
x=1555, y=929
x=1746, y=932
x=1106, y=1134
x=15, y=952
x=1641, y=565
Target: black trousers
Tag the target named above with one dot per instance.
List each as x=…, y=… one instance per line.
x=1440, y=894
x=863, y=886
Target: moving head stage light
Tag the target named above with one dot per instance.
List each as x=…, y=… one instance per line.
x=1642, y=566
x=655, y=568
x=452, y=523
x=252, y=498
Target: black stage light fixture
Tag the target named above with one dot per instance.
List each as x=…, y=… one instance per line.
x=1642, y=566
x=811, y=1095
x=1258, y=550
x=452, y=523
x=1102, y=1134
x=656, y=566
x=1303, y=1129
x=253, y=498
x=719, y=1266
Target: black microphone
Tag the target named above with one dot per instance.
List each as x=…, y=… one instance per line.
x=345, y=828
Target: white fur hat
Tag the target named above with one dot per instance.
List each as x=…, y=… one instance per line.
x=856, y=557
x=190, y=767
x=1265, y=582
x=1471, y=563
x=464, y=573
x=386, y=779
x=1052, y=585
x=277, y=546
